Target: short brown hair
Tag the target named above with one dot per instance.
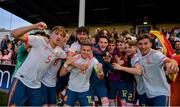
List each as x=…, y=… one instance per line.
x=82, y=29
x=132, y=42
x=143, y=36
x=86, y=42
x=105, y=37
x=120, y=40
x=112, y=40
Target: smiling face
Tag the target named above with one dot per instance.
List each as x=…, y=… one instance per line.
x=130, y=50
x=81, y=36
x=103, y=43
x=86, y=51
x=144, y=46
x=120, y=46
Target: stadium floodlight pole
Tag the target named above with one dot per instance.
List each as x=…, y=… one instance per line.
x=82, y=4
x=10, y=22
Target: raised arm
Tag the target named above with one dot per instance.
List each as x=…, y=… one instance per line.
x=19, y=33
x=66, y=67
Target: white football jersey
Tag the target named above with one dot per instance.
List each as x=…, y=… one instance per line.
x=75, y=48
x=79, y=82
x=49, y=78
x=37, y=63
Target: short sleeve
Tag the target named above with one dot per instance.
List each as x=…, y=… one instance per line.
x=34, y=41
x=160, y=57
x=62, y=54
x=134, y=61
x=95, y=61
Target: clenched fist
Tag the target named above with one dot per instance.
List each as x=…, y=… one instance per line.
x=40, y=25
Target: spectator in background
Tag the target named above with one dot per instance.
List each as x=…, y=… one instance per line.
x=64, y=45
x=97, y=31
x=6, y=56
x=0, y=55
x=72, y=39
x=4, y=42
x=93, y=41
x=177, y=47
x=126, y=34
x=103, y=32
x=114, y=33
x=19, y=42
x=81, y=34
x=173, y=38
x=10, y=48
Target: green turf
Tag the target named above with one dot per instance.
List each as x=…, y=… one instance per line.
x=3, y=98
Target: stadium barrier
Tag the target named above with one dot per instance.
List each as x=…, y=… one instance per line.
x=6, y=72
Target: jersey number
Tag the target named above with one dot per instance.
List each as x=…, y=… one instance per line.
x=48, y=59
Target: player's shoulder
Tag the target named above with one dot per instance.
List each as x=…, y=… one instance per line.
x=135, y=57
x=156, y=53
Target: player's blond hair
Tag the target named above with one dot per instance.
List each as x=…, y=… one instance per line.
x=59, y=29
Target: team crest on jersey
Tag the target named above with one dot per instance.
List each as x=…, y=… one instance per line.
x=148, y=60
x=65, y=98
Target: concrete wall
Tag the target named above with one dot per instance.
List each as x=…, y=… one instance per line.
x=121, y=27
